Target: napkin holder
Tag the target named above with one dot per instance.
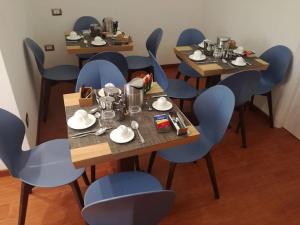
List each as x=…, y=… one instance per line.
x=86, y=96
x=178, y=124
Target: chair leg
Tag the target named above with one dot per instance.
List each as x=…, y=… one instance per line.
x=77, y=193
x=170, y=175
x=151, y=161
x=93, y=173
x=80, y=63
x=137, y=163
x=85, y=179
x=252, y=102
x=238, y=127
x=186, y=78
x=178, y=75
x=198, y=83
x=212, y=175
x=181, y=104
x=243, y=128
x=45, y=95
x=25, y=190
x=270, y=106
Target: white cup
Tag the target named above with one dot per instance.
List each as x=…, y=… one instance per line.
x=73, y=34
x=98, y=39
x=197, y=54
x=108, y=85
x=240, y=49
x=239, y=60
x=81, y=116
x=123, y=131
x=162, y=101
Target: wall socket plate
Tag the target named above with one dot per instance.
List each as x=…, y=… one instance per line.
x=49, y=48
x=27, y=120
x=56, y=12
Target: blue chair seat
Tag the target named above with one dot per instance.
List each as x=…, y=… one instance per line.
x=48, y=165
x=120, y=184
x=181, y=89
x=85, y=56
x=189, y=152
x=62, y=73
x=187, y=70
x=264, y=86
x=136, y=62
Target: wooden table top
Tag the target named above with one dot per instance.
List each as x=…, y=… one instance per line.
x=92, y=150
x=78, y=47
x=217, y=68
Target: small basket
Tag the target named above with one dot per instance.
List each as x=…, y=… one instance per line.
x=86, y=96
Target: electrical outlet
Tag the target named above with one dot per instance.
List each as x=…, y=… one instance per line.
x=49, y=47
x=27, y=120
x=56, y=12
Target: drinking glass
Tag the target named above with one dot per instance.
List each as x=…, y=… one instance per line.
x=135, y=112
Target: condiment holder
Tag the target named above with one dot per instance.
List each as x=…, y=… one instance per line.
x=86, y=96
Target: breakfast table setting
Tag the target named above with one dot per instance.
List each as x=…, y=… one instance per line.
x=211, y=59
x=118, y=123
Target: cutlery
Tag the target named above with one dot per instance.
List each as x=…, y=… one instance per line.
x=135, y=126
x=158, y=96
x=249, y=64
x=99, y=132
x=228, y=63
x=85, y=132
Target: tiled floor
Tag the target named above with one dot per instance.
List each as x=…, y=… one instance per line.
x=258, y=186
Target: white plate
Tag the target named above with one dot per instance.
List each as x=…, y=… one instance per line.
x=98, y=43
x=77, y=38
x=76, y=126
x=203, y=57
x=114, y=136
x=234, y=63
x=102, y=94
x=156, y=106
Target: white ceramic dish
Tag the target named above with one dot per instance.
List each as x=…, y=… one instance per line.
x=237, y=51
x=202, y=57
x=72, y=123
x=158, y=107
x=77, y=38
x=100, y=43
x=238, y=64
x=102, y=94
x=115, y=136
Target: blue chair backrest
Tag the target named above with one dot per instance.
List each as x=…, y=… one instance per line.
x=153, y=41
x=12, y=131
x=138, y=209
x=243, y=85
x=98, y=73
x=159, y=73
x=213, y=109
x=37, y=52
x=190, y=36
x=84, y=22
x=279, y=57
x=116, y=58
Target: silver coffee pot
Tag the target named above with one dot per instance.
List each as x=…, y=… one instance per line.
x=134, y=92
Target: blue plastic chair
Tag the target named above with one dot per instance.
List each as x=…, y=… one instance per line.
x=279, y=57
x=98, y=73
x=213, y=109
x=50, y=76
x=136, y=63
x=116, y=58
x=83, y=23
x=127, y=198
x=47, y=165
x=243, y=85
x=174, y=88
x=189, y=36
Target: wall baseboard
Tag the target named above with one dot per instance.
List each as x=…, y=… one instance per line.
x=4, y=173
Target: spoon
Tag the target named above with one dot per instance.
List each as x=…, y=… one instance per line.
x=135, y=126
x=99, y=132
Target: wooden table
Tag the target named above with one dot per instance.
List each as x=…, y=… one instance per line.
x=213, y=71
x=78, y=47
x=87, y=152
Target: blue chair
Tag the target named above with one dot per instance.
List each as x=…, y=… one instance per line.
x=99, y=72
x=174, y=88
x=47, y=165
x=189, y=36
x=243, y=85
x=279, y=57
x=213, y=109
x=116, y=58
x=50, y=76
x=83, y=23
x=136, y=63
x=127, y=198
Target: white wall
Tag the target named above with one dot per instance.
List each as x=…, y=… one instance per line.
x=258, y=25
x=15, y=28
x=136, y=17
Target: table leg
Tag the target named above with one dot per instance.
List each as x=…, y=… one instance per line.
x=212, y=80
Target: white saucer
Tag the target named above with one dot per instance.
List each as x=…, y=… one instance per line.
x=114, y=136
x=203, y=57
x=76, y=126
x=102, y=94
x=233, y=62
x=164, y=108
x=101, y=43
x=77, y=38
x=238, y=52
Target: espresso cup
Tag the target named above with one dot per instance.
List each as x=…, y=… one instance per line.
x=240, y=60
x=123, y=131
x=162, y=101
x=197, y=54
x=240, y=49
x=73, y=34
x=81, y=116
x=108, y=85
x=98, y=39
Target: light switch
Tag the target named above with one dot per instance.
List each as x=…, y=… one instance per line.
x=49, y=48
x=56, y=12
